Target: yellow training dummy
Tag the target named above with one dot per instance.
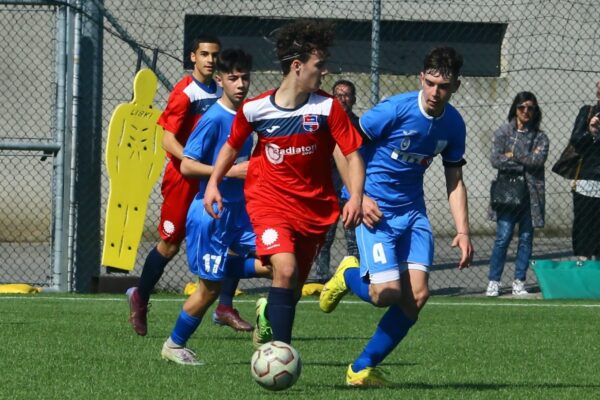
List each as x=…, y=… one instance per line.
x=134, y=159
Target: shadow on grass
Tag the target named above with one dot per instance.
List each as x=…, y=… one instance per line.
x=329, y=338
x=467, y=386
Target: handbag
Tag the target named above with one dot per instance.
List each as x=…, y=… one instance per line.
x=508, y=192
x=569, y=163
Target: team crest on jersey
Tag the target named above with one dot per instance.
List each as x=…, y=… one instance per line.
x=405, y=144
x=310, y=122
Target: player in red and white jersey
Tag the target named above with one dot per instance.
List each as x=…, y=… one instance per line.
x=289, y=193
x=286, y=173
x=189, y=99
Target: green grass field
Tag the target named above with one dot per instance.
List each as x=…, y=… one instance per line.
x=81, y=347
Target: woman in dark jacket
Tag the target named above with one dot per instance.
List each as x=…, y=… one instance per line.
x=519, y=147
x=586, y=194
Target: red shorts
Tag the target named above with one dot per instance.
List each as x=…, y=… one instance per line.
x=279, y=235
x=178, y=193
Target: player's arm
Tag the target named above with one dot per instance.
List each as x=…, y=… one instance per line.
x=457, y=198
x=371, y=214
x=171, y=119
x=352, y=212
x=341, y=164
x=225, y=160
x=172, y=145
x=195, y=169
x=240, y=131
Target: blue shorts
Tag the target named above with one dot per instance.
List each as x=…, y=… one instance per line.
x=396, y=241
x=208, y=239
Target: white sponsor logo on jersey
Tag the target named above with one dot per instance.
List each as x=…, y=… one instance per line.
x=412, y=158
x=275, y=153
x=269, y=236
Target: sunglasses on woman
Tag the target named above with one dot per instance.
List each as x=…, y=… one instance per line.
x=525, y=107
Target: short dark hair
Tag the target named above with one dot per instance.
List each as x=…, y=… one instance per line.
x=443, y=60
x=297, y=40
x=203, y=38
x=344, y=82
x=234, y=60
x=522, y=97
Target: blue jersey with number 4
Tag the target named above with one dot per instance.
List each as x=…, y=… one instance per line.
x=405, y=139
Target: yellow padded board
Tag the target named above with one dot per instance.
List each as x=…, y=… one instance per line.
x=134, y=159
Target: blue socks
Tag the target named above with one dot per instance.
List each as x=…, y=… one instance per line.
x=154, y=266
x=240, y=267
x=281, y=310
x=236, y=268
x=185, y=326
x=392, y=328
x=228, y=287
x=356, y=284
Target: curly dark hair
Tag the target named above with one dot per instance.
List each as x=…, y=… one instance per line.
x=297, y=40
x=443, y=60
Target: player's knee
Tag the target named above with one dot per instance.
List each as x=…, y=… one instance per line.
x=421, y=297
x=414, y=302
x=167, y=250
x=384, y=296
x=285, y=276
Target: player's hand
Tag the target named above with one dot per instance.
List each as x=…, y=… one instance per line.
x=371, y=212
x=212, y=196
x=239, y=171
x=594, y=124
x=352, y=213
x=463, y=242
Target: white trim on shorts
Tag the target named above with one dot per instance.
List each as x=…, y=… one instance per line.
x=394, y=274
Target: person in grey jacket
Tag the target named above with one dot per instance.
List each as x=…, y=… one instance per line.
x=520, y=147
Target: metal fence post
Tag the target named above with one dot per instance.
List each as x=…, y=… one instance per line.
x=376, y=22
x=88, y=169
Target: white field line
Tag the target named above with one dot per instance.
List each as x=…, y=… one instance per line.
x=237, y=300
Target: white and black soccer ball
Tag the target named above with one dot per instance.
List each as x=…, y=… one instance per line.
x=275, y=365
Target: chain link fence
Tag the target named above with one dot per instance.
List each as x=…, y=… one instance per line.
x=27, y=96
x=546, y=47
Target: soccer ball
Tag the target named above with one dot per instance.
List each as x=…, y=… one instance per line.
x=275, y=365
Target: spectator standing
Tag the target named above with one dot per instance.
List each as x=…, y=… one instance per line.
x=586, y=189
x=519, y=147
x=345, y=92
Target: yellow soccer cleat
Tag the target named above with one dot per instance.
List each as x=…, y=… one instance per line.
x=368, y=377
x=336, y=288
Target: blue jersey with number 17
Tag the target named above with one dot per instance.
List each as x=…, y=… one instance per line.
x=204, y=145
x=404, y=141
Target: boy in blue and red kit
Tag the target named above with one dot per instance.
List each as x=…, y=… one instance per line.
x=210, y=242
x=190, y=98
x=289, y=193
